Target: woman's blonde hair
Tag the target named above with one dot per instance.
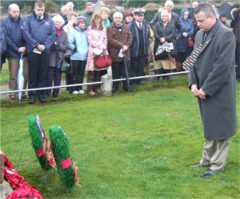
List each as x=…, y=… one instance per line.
x=71, y=14
x=167, y=13
x=104, y=9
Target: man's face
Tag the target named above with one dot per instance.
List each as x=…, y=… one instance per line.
x=194, y=4
x=139, y=18
x=203, y=22
x=64, y=11
x=14, y=12
x=118, y=20
x=70, y=8
x=169, y=7
x=89, y=9
x=39, y=11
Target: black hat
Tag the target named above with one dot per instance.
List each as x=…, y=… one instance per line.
x=222, y=15
x=139, y=12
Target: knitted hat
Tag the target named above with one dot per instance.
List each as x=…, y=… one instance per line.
x=128, y=13
x=81, y=19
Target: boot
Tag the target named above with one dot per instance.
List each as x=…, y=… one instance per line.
x=167, y=77
x=178, y=66
x=159, y=71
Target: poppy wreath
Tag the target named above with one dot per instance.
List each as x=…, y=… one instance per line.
x=21, y=188
x=40, y=143
x=60, y=147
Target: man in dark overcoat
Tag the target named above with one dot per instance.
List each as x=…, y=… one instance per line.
x=212, y=81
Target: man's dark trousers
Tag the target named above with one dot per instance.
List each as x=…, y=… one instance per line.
x=38, y=69
x=137, y=68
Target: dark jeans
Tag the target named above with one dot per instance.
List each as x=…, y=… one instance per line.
x=118, y=72
x=137, y=68
x=54, y=75
x=78, y=68
x=38, y=67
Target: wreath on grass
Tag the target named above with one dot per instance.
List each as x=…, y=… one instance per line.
x=40, y=143
x=60, y=147
x=22, y=189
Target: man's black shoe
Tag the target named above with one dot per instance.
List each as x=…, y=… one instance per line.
x=130, y=90
x=32, y=99
x=209, y=173
x=54, y=94
x=42, y=99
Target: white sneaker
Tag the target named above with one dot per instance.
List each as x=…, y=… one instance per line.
x=81, y=92
x=75, y=92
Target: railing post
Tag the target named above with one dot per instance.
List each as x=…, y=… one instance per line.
x=106, y=86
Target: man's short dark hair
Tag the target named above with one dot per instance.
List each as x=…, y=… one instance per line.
x=39, y=4
x=89, y=4
x=205, y=8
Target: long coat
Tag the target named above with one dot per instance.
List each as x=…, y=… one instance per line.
x=97, y=39
x=214, y=72
x=56, y=56
x=135, y=38
x=116, y=41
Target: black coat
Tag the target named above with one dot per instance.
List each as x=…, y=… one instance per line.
x=174, y=20
x=167, y=33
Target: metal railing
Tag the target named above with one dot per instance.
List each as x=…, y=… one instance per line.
x=93, y=83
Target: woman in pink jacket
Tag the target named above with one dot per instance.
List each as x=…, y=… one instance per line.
x=97, y=39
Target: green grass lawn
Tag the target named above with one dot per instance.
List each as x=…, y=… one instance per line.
x=130, y=145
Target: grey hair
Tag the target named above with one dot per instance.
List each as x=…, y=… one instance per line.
x=165, y=11
x=169, y=2
x=117, y=14
x=64, y=6
x=13, y=5
x=70, y=4
x=58, y=18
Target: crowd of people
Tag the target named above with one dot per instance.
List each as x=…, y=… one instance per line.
x=69, y=39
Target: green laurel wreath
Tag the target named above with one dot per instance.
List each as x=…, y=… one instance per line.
x=38, y=136
x=60, y=148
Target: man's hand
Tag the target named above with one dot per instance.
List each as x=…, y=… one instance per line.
x=41, y=47
x=162, y=40
x=201, y=94
x=195, y=90
x=22, y=50
x=125, y=48
x=185, y=34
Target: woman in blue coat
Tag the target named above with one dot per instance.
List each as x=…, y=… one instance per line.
x=182, y=45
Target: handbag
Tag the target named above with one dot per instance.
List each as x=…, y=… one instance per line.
x=102, y=61
x=190, y=42
x=64, y=67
